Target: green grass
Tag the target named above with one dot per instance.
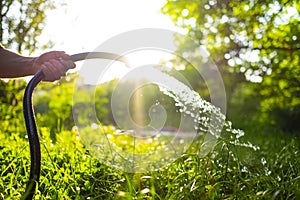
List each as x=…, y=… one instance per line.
x=228, y=172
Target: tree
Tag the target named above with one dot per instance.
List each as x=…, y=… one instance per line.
x=257, y=38
x=21, y=22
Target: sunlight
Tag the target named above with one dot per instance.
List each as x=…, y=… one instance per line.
x=84, y=25
x=138, y=116
x=99, y=71
x=142, y=57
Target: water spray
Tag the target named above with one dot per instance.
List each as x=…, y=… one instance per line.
x=197, y=117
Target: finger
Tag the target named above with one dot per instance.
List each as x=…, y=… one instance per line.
x=67, y=63
x=61, y=54
x=58, y=67
x=53, y=55
x=48, y=71
x=65, y=56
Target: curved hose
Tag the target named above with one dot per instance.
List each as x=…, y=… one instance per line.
x=34, y=143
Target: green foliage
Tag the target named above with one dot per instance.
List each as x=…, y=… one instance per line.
x=228, y=172
x=11, y=118
x=233, y=170
x=53, y=104
x=67, y=171
x=21, y=22
x=244, y=108
x=259, y=39
x=142, y=104
x=102, y=99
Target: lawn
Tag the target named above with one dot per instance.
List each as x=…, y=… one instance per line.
x=229, y=171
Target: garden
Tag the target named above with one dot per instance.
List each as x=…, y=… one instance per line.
x=250, y=150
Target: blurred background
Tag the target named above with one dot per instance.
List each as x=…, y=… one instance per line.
x=256, y=47
x=254, y=44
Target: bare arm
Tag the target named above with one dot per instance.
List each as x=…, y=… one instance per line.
x=54, y=64
x=13, y=65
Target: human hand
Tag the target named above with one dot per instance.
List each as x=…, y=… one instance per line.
x=54, y=64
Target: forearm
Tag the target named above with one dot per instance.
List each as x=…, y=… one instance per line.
x=13, y=65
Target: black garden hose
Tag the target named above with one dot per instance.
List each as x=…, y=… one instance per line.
x=34, y=143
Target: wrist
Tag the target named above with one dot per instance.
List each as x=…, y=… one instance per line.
x=33, y=65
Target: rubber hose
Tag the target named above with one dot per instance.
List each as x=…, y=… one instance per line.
x=29, y=115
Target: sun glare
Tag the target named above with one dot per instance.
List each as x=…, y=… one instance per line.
x=98, y=71
x=144, y=57
x=84, y=25
x=81, y=26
